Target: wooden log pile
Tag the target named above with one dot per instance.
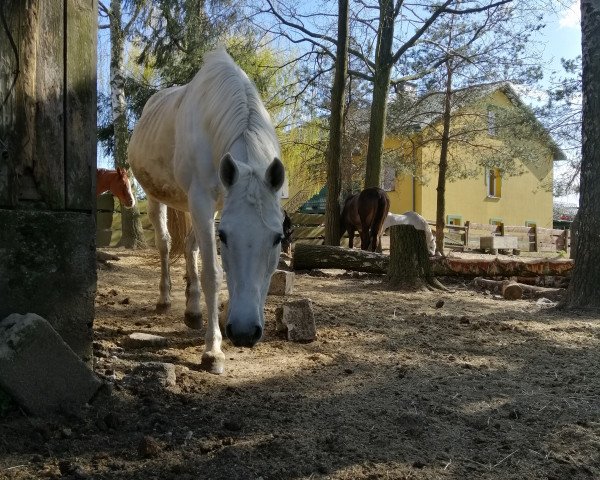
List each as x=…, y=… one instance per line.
x=308, y=257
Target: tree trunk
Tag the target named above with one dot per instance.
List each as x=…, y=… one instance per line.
x=585, y=283
x=132, y=233
x=336, y=130
x=440, y=215
x=409, y=266
x=381, y=86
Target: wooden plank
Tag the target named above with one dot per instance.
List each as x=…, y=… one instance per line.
x=8, y=118
x=307, y=219
x=308, y=232
x=80, y=115
x=45, y=177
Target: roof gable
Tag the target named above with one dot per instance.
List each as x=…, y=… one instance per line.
x=425, y=111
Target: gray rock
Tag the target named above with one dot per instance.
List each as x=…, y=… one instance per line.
x=297, y=319
x=39, y=370
x=153, y=375
x=143, y=340
x=282, y=283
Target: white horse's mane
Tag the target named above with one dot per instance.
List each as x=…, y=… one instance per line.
x=233, y=108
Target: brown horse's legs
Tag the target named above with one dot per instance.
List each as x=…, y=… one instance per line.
x=351, y=232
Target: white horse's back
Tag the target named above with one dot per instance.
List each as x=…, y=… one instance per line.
x=417, y=221
x=152, y=146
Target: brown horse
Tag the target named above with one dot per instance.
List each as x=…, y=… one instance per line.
x=117, y=182
x=366, y=212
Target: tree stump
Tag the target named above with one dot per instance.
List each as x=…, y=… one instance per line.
x=511, y=290
x=409, y=266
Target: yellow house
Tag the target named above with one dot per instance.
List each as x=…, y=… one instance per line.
x=500, y=157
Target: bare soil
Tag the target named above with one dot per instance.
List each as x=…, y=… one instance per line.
x=398, y=385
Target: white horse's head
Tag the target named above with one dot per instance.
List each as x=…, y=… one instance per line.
x=251, y=230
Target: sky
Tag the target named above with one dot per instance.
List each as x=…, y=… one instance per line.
x=563, y=35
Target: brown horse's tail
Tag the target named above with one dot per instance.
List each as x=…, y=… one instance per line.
x=383, y=207
x=179, y=224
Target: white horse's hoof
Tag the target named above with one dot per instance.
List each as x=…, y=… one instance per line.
x=163, y=307
x=213, y=362
x=193, y=320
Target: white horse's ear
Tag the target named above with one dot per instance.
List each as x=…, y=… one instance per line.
x=228, y=170
x=275, y=175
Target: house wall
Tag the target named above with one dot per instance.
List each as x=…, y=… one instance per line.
x=523, y=197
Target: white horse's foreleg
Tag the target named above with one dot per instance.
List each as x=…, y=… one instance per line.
x=157, y=212
x=211, y=277
x=193, y=314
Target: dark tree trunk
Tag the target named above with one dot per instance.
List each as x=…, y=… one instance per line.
x=132, y=233
x=381, y=86
x=440, y=215
x=409, y=266
x=585, y=284
x=336, y=130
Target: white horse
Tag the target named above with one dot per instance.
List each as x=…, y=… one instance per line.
x=417, y=221
x=207, y=146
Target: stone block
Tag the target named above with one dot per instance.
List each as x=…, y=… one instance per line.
x=498, y=242
x=297, y=319
x=282, y=283
x=39, y=370
x=144, y=340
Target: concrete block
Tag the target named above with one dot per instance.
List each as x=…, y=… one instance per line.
x=48, y=267
x=282, y=283
x=297, y=319
x=38, y=369
x=498, y=242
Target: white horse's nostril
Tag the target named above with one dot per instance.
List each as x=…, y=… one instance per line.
x=243, y=337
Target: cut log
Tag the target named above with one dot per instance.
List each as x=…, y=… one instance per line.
x=512, y=290
x=509, y=289
x=104, y=257
x=309, y=257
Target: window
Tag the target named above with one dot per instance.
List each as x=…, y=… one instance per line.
x=454, y=220
x=491, y=117
x=495, y=221
x=530, y=223
x=493, y=182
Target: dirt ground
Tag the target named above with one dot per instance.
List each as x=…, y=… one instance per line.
x=396, y=386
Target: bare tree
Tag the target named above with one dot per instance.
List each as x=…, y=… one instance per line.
x=336, y=129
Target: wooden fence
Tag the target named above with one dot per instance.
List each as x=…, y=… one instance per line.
x=310, y=228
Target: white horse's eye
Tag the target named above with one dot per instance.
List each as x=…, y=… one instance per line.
x=222, y=237
x=277, y=240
